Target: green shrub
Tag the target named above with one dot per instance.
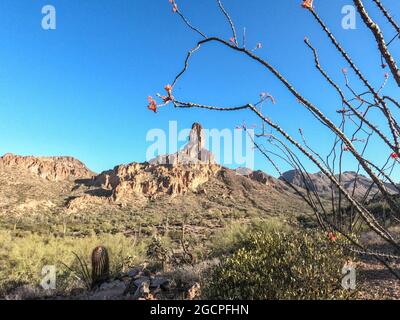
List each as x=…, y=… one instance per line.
x=280, y=265
x=158, y=251
x=231, y=238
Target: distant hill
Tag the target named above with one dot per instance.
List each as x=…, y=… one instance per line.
x=48, y=168
x=321, y=184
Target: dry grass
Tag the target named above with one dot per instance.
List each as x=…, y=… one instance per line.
x=22, y=259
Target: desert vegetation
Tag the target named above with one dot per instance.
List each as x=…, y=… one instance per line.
x=280, y=265
x=185, y=260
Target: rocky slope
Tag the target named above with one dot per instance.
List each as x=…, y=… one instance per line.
x=321, y=184
x=153, y=180
x=48, y=168
x=172, y=175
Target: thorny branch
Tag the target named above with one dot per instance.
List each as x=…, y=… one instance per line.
x=354, y=122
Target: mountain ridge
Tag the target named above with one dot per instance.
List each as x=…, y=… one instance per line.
x=321, y=184
x=187, y=181
x=65, y=184
x=53, y=168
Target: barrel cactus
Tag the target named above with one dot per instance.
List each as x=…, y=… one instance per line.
x=100, y=266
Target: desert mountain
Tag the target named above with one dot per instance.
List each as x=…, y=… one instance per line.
x=193, y=153
x=321, y=184
x=37, y=184
x=187, y=181
x=173, y=174
x=48, y=168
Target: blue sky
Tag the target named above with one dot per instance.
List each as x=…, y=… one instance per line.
x=81, y=90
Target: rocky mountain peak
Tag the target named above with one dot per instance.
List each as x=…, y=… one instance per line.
x=194, y=152
x=173, y=174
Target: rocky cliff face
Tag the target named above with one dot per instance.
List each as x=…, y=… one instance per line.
x=173, y=174
x=262, y=177
x=185, y=182
x=152, y=180
x=193, y=153
x=48, y=168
